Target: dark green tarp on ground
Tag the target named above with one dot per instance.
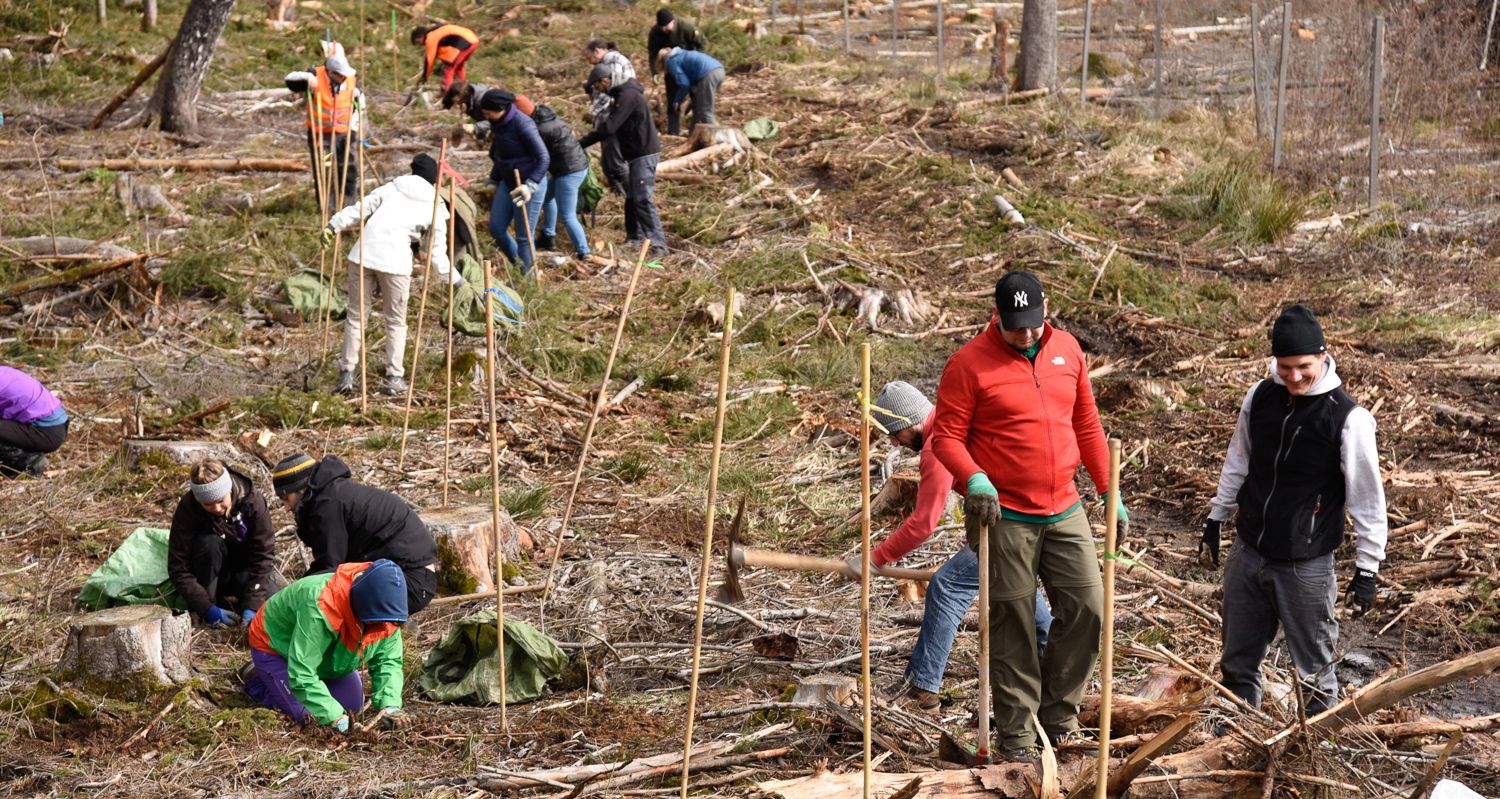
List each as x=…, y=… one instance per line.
x=462, y=668
x=136, y=574
x=308, y=293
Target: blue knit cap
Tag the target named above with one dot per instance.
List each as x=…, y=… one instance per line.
x=379, y=593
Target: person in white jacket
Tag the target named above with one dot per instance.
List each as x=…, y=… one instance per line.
x=1302, y=455
x=396, y=217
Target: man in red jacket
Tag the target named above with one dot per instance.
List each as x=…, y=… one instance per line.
x=1015, y=417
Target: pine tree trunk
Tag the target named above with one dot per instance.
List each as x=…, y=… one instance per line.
x=1038, y=45
x=175, y=101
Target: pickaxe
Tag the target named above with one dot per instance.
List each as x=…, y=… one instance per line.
x=739, y=557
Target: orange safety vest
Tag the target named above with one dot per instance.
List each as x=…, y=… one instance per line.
x=336, y=109
x=447, y=55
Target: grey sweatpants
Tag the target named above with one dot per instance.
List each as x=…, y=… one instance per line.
x=704, y=93
x=1298, y=596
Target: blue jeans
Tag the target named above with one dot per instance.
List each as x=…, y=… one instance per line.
x=562, y=192
x=949, y=594
x=502, y=211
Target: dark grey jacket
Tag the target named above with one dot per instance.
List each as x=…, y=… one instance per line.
x=562, y=146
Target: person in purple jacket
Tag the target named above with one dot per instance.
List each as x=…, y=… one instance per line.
x=32, y=423
x=515, y=146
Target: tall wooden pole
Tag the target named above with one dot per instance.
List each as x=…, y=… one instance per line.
x=1377, y=78
x=1156, y=49
x=708, y=531
x=416, y=350
x=864, y=558
x=489, y=368
x=1255, y=59
x=536, y=266
x=1088, y=24
x=982, y=754
x=1107, y=635
x=599, y=399
x=364, y=316
x=1281, y=70
x=448, y=355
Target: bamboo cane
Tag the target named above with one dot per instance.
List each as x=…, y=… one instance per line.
x=588, y=433
x=416, y=351
x=489, y=335
x=536, y=267
x=313, y=139
x=864, y=555
x=448, y=378
x=395, y=49
x=982, y=754
x=324, y=180
x=337, y=237
x=1107, y=647
x=708, y=531
x=364, y=315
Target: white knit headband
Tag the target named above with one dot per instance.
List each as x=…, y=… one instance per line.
x=214, y=490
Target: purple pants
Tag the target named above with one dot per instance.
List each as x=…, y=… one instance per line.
x=269, y=686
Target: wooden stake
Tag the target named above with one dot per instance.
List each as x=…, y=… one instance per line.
x=706, y=564
x=599, y=400
x=1377, y=77
x=1255, y=58
x=864, y=556
x=1281, y=70
x=536, y=266
x=1107, y=636
x=489, y=338
x=416, y=350
x=364, y=316
x=448, y=378
x=982, y=754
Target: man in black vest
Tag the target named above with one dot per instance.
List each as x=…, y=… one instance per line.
x=1303, y=453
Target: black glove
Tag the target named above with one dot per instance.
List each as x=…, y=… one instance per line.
x=979, y=511
x=1361, y=591
x=1209, y=545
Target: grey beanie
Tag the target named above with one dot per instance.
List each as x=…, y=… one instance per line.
x=899, y=406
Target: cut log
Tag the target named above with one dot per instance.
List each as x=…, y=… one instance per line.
x=185, y=164
x=67, y=245
x=68, y=277
x=1427, y=726
x=466, y=547
x=128, y=652
x=695, y=158
x=705, y=136
x=820, y=689
x=135, y=452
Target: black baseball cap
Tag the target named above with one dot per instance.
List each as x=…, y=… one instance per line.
x=1019, y=299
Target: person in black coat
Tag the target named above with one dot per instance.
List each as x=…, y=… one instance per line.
x=630, y=125
x=221, y=553
x=345, y=522
x=516, y=150
x=568, y=169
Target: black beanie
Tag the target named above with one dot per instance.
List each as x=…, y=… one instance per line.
x=292, y=474
x=424, y=167
x=663, y=17
x=1297, y=332
x=497, y=100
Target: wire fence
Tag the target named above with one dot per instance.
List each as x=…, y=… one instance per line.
x=1438, y=138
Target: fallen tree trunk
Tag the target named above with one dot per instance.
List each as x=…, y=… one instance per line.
x=66, y=245
x=693, y=159
x=1425, y=727
x=67, y=277
x=185, y=164
x=140, y=78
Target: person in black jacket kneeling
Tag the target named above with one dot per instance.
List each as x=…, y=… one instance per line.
x=345, y=522
x=221, y=553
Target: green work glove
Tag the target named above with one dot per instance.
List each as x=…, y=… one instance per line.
x=1122, y=518
x=981, y=507
x=327, y=237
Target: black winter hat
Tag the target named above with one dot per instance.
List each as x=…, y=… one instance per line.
x=664, y=17
x=1297, y=332
x=425, y=167
x=497, y=100
x=379, y=593
x=292, y=474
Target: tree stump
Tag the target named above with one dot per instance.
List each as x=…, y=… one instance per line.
x=128, y=652
x=134, y=451
x=466, y=547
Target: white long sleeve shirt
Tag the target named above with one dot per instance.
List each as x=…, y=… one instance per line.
x=396, y=216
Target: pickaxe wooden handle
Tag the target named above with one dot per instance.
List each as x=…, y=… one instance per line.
x=766, y=559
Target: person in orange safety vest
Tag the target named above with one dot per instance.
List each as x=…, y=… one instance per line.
x=448, y=48
x=333, y=115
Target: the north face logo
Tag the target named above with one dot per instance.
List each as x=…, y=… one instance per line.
x=1021, y=300
x=1057, y=360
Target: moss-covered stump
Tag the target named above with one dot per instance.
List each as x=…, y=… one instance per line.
x=128, y=652
x=466, y=547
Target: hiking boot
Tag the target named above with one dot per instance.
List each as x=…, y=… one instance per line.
x=545, y=242
x=1021, y=754
x=246, y=672
x=1075, y=741
x=345, y=384
x=395, y=386
x=906, y=693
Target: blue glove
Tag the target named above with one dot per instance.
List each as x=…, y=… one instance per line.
x=216, y=616
x=340, y=724
x=247, y=616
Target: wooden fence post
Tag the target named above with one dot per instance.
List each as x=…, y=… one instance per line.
x=1260, y=123
x=1281, y=70
x=1377, y=76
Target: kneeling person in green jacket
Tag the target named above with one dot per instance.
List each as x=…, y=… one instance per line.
x=308, y=641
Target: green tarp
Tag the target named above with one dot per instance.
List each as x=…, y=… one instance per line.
x=309, y=295
x=761, y=129
x=462, y=668
x=136, y=574
x=468, y=302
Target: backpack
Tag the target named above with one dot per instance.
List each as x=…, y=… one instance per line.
x=589, y=194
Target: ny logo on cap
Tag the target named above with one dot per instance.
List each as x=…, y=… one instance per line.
x=1020, y=300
